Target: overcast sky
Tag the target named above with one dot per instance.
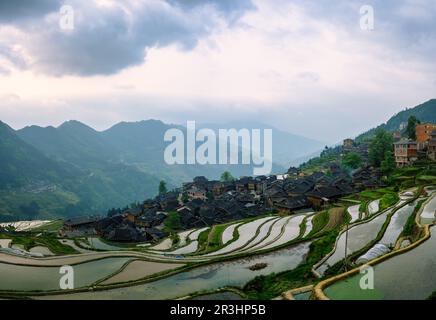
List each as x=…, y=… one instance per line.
x=303, y=66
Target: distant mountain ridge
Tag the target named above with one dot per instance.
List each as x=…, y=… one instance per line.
x=425, y=112
x=73, y=169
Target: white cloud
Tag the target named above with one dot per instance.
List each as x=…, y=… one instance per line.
x=292, y=66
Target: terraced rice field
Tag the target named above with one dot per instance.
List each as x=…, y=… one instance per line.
x=373, y=207
x=27, y=278
x=262, y=234
x=139, y=269
x=42, y=250
x=396, y=225
x=309, y=226
x=291, y=231
x=4, y=243
x=25, y=225
x=428, y=214
x=190, y=248
x=228, y=232
x=164, y=245
x=246, y=234
x=358, y=237
x=96, y=243
x=275, y=232
x=354, y=212
x=183, y=236
x=194, y=235
x=209, y=277
x=409, y=275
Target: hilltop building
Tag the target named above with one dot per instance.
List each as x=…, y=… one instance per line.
x=348, y=144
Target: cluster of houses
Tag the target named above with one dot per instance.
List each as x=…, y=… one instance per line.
x=408, y=151
x=204, y=202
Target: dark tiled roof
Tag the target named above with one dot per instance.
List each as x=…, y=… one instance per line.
x=291, y=203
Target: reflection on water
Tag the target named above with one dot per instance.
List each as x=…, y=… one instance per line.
x=210, y=277
x=25, y=278
x=410, y=275
x=358, y=237
x=429, y=211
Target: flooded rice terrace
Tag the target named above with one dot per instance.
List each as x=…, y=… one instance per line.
x=210, y=277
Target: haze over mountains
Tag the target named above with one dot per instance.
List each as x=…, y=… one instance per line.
x=48, y=172
x=73, y=169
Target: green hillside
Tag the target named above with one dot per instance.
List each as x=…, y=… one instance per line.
x=425, y=112
x=76, y=170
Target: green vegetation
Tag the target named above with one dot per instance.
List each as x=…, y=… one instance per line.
x=227, y=177
x=412, y=122
x=203, y=240
x=162, y=187
x=213, y=242
x=432, y=296
x=172, y=222
x=336, y=218
x=30, y=240
x=381, y=144
x=424, y=112
x=363, y=207
x=319, y=221
x=271, y=286
x=411, y=229
x=388, y=200
x=387, y=166
x=352, y=160
x=53, y=226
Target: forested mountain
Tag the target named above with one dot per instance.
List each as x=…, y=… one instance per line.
x=73, y=169
x=425, y=112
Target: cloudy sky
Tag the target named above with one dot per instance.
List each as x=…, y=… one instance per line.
x=304, y=66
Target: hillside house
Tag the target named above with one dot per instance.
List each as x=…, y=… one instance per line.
x=289, y=205
x=197, y=193
x=80, y=223
x=431, y=150
x=348, y=144
x=423, y=133
x=406, y=152
x=396, y=135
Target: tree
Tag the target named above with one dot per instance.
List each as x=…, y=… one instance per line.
x=388, y=163
x=411, y=127
x=162, y=187
x=352, y=160
x=381, y=143
x=227, y=177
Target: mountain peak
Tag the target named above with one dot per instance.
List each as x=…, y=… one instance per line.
x=75, y=125
x=72, y=123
